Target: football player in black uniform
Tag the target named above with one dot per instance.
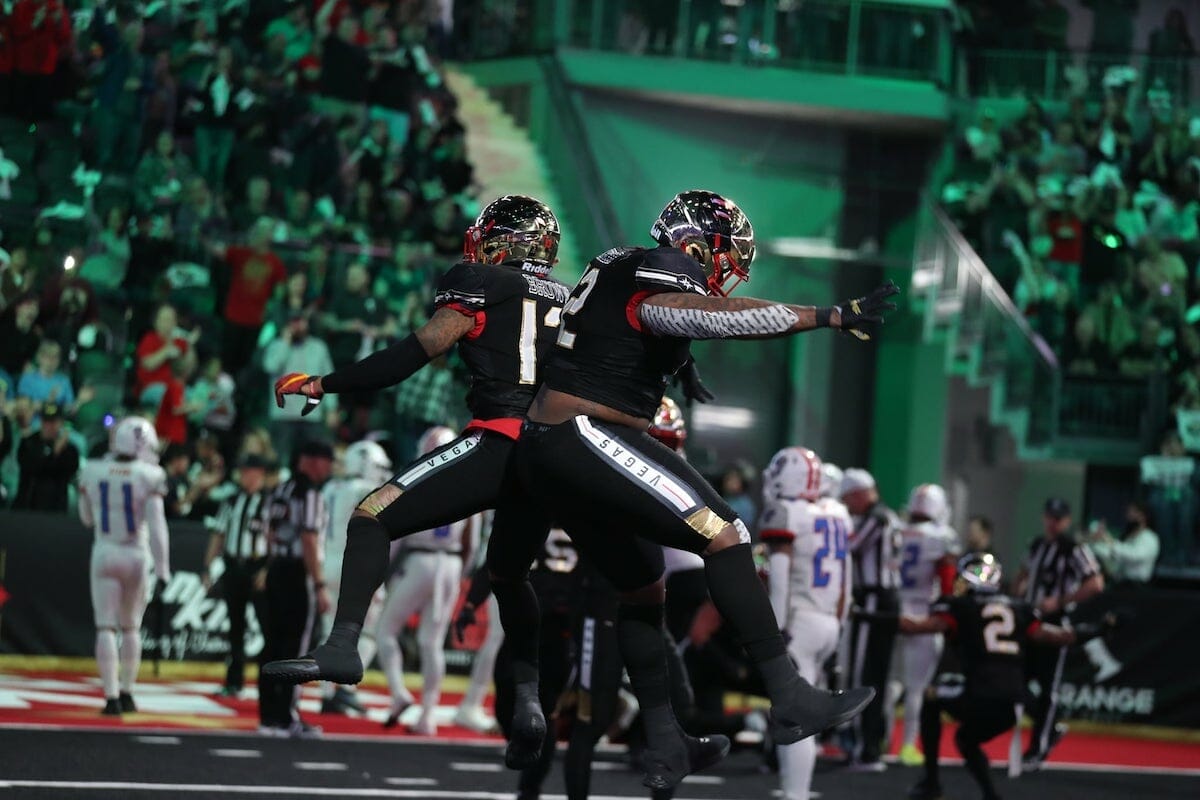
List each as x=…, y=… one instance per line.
x=502, y=309
x=991, y=632
x=619, y=494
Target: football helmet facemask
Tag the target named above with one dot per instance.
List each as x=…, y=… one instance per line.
x=514, y=228
x=714, y=231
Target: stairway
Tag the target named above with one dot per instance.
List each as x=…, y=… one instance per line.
x=505, y=158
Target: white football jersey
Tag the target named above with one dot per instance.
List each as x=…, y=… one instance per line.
x=820, y=570
x=115, y=493
x=342, y=496
x=923, y=545
x=444, y=537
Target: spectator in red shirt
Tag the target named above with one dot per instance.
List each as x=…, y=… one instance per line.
x=171, y=420
x=256, y=274
x=40, y=30
x=155, y=354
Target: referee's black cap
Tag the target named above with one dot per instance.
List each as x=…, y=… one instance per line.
x=1057, y=508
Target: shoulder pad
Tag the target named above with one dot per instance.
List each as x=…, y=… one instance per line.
x=668, y=269
x=615, y=254
x=463, y=284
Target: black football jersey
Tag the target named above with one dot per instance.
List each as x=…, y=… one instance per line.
x=991, y=632
x=602, y=353
x=516, y=320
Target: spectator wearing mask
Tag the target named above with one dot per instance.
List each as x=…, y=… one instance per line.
x=1133, y=556
x=256, y=272
x=126, y=80
x=48, y=463
x=41, y=31
x=155, y=352
x=297, y=351
x=216, y=120
x=19, y=334
x=160, y=177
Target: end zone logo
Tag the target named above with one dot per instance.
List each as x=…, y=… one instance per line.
x=195, y=624
x=1102, y=701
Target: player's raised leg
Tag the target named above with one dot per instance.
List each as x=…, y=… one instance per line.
x=453, y=482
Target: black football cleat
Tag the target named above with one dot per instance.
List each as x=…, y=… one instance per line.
x=666, y=770
x=528, y=732
x=813, y=710
x=127, y=704
x=112, y=707
x=327, y=663
x=924, y=790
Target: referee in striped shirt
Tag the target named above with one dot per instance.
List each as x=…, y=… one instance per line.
x=1058, y=573
x=239, y=537
x=874, y=548
x=295, y=584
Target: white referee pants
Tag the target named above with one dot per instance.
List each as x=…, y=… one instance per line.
x=428, y=585
x=119, y=589
x=814, y=639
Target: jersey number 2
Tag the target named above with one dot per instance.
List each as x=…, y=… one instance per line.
x=127, y=501
x=1000, y=626
x=528, y=344
x=912, y=552
x=579, y=296
x=837, y=547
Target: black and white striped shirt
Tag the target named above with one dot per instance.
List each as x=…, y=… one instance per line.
x=875, y=549
x=242, y=519
x=1057, y=567
x=296, y=507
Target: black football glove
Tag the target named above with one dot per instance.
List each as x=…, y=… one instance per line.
x=693, y=388
x=862, y=316
x=464, y=620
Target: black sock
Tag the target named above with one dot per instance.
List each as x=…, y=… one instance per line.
x=976, y=763
x=364, y=567
x=640, y=634
x=931, y=739
x=519, y=616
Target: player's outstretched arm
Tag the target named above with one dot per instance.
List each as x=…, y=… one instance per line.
x=920, y=625
x=383, y=368
x=694, y=316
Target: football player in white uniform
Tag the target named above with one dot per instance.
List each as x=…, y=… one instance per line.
x=426, y=582
x=928, y=554
x=121, y=499
x=809, y=581
x=366, y=466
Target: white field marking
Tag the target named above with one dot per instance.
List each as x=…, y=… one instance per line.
x=293, y=791
x=320, y=766
x=1067, y=766
x=158, y=740
x=710, y=780
x=231, y=752
x=411, y=781
x=476, y=766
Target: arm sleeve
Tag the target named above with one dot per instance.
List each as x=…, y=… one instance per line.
x=379, y=370
x=778, y=580
x=698, y=323
x=156, y=520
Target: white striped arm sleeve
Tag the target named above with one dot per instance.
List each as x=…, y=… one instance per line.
x=696, y=323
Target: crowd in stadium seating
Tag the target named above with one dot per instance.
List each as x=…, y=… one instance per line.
x=1088, y=217
x=195, y=197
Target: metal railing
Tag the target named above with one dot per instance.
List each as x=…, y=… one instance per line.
x=1057, y=75
x=987, y=339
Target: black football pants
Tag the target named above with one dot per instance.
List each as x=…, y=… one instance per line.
x=237, y=586
x=871, y=645
x=980, y=721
